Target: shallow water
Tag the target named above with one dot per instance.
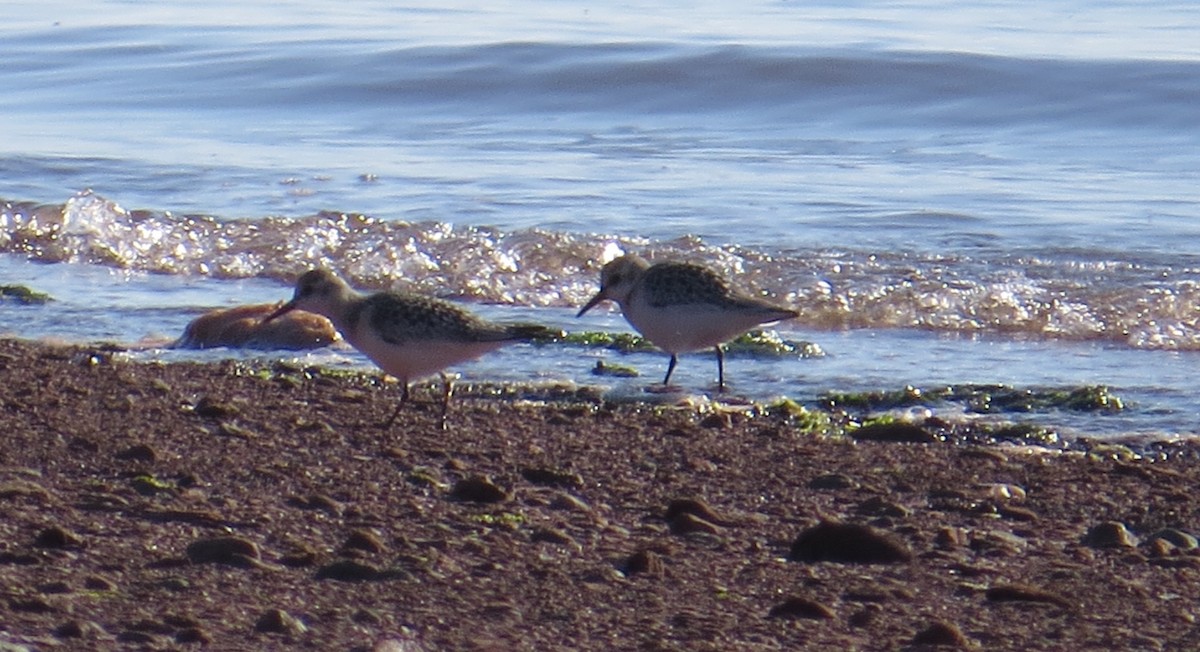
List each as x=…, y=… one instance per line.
x=992, y=194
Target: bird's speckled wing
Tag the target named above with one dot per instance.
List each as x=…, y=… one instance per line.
x=670, y=284
x=399, y=318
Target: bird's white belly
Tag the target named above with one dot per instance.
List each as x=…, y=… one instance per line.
x=416, y=359
x=689, y=327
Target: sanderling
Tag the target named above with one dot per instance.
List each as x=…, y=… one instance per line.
x=407, y=335
x=682, y=307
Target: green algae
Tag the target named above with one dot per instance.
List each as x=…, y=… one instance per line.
x=21, y=295
x=756, y=343
x=984, y=399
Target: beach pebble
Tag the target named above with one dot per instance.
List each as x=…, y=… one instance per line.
x=879, y=506
x=223, y=550
x=798, y=607
x=364, y=539
x=847, y=543
x=349, y=570
x=688, y=523
x=696, y=507
x=1110, y=534
x=57, y=537
x=80, y=629
x=646, y=562
x=1177, y=538
x=478, y=489
x=941, y=634
x=278, y=621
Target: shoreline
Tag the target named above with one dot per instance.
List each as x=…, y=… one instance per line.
x=185, y=504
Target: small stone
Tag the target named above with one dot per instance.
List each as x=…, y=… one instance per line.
x=847, y=543
x=797, y=607
x=212, y=408
x=349, y=570
x=695, y=507
x=552, y=535
x=478, y=489
x=224, y=550
x=949, y=538
x=278, y=621
x=879, y=506
x=1177, y=538
x=365, y=540
x=644, y=562
x=721, y=420
x=138, y=453
x=79, y=629
x=1110, y=534
x=1024, y=593
x=833, y=481
x=56, y=537
x=941, y=634
x=552, y=477
x=98, y=583
x=193, y=635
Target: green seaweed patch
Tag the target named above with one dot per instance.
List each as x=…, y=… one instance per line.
x=22, y=295
x=768, y=344
x=984, y=399
x=613, y=370
x=817, y=422
x=1025, y=433
x=623, y=342
x=756, y=343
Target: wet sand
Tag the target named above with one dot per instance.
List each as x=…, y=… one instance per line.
x=175, y=506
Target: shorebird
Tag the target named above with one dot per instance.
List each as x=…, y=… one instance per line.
x=682, y=307
x=407, y=335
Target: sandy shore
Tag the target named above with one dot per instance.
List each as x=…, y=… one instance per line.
x=151, y=506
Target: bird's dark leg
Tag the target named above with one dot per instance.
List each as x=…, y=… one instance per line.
x=447, y=391
x=670, y=368
x=399, y=406
x=720, y=368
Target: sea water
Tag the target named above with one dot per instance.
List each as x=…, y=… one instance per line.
x=949, y=193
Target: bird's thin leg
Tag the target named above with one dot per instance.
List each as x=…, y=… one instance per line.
x=399, y=406
x=720, y=368
x=447, y=391
x=670, y=369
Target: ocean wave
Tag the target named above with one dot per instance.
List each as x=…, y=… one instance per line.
x=737, y=81
x=1056, y=294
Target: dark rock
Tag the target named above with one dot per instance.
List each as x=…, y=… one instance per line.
x=552, y=535
x=364, y=540
x=193, y=635
x=1110, y=534
x=695, y=507
x=552, y=477
x=644, y=562
x=138, y=453
x=79, y=629
x=941, y=634
x=278, y=621
x=56, y=537
x=349, y=570
x=1023, y=593
x=905, y=433
x=688, y=523
x=879, y=506
x=847, y=543
x=478, y=489
x=797, y=607
x=211, y=408
x=224, y=550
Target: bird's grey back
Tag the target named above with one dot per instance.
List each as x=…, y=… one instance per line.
x=401, y=317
